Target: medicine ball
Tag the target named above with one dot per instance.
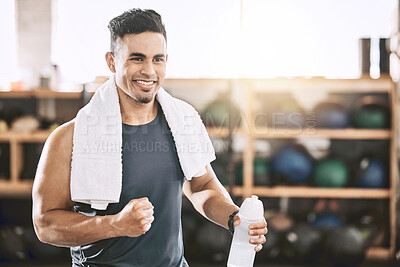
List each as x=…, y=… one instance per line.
x=288, y=119
x=371, y=224
x=303, y=243
x=330, y=173
x=214, y=241
x=261, y=172
x=332, y=113
x=345, y=247
x=12, y=244
x=371, y=173
x=279, y=110
x=218, y=113
x=326, y=220
x=371, y=113
x=292, y=165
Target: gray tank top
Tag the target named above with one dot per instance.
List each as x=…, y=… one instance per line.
x=150, y=169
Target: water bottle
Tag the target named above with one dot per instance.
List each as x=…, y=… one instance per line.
x=242, y=252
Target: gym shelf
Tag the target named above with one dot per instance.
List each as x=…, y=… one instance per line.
x=361, y=85
x=376, y=253
x=20, y=188
x=41, y=94
x=224, y=132
x=315, y=192
x=236, y=190
x=248, y=90
x=324, y=133
x=218, y=132
x=364, y=86
x=36, y=136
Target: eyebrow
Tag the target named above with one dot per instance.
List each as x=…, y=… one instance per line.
x=135, y=54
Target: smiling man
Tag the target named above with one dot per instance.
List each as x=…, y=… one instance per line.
x=142, y=228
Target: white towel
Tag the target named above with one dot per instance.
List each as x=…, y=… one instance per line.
x=96, y=167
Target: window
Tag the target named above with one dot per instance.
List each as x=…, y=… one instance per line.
x=202, y=36
x=278, y=37
x=8, y=62
x=312, y=37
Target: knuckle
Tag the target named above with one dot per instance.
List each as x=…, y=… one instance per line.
x=135, y=207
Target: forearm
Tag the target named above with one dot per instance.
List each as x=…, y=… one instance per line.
x=68, y=229
x=214, y=203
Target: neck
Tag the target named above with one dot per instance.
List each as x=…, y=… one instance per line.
x=134, y=112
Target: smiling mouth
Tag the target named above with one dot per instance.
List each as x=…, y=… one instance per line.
x=145, y=85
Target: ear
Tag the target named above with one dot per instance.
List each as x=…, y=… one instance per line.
x=166, y=58
x=110, y=61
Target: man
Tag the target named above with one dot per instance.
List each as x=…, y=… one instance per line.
x=144, y=228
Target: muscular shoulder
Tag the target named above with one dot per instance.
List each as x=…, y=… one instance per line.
x=61, y=138
x=51, y=184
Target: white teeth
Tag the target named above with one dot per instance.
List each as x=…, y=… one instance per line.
x=145, y=83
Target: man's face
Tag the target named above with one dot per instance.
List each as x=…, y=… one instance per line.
x=140, y=65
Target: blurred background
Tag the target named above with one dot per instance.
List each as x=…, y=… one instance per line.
x=299, y=98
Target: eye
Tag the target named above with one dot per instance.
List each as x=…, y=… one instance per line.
x=136, y=59
x=159, y=59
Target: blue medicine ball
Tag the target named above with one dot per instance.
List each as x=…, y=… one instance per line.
x=332, y=114
x=371, y=173
x=292, y=164
x=327, y=220
x=336, y=119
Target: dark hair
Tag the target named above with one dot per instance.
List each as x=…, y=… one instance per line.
x=134, y=21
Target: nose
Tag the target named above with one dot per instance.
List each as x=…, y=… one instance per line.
x=147, y=68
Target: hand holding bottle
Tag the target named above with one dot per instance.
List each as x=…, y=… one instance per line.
x=249, y=222
x=258, y=229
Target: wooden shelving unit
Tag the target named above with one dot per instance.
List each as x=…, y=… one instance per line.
x=14, y=186
x=364, y=85
x=40, y=93
x=312, y=192
x=17, y=187
x=37, y=136
x=322, y=133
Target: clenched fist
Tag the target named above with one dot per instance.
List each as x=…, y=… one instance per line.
x=134, y=219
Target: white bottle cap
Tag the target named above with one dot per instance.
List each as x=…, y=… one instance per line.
x=252, y=209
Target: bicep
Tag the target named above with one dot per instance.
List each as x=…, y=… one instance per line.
x=51, y=185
